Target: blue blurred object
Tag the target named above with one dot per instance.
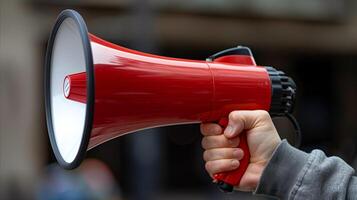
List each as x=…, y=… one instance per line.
x=92, y=181
x=60, y=184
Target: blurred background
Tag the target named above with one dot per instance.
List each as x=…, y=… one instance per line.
x=313, y=41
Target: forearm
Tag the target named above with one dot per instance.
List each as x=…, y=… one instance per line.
x=294, y=174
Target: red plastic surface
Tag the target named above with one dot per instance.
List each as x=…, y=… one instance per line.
x=135, y=90
x=241, y=59
x=77, y=87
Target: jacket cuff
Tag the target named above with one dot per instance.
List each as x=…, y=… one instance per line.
x=281, y=173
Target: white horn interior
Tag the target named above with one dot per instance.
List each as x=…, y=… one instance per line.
x=68, y=117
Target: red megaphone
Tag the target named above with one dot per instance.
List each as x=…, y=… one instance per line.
x=96, y=91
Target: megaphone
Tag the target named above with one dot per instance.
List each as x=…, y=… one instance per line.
x=96, y=91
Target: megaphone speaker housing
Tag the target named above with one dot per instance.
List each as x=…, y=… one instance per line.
x=69, y=123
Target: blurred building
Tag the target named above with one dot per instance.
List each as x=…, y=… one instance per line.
x=314, y=41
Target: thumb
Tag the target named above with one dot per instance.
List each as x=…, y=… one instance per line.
x=242, y=120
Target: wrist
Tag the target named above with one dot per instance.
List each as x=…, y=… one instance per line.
x=252, y=176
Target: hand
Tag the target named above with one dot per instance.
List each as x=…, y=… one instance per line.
x=221, y=152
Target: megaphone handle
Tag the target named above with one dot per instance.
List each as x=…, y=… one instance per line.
x=227, y=180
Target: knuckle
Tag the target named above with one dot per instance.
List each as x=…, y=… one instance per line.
x=263, y=114
x=234, y=116
x=210, y=129
x=206, y=155
x=204, y=143
x=204, y=129
x=208, y=166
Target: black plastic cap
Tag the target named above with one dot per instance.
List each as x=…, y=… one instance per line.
x=283, y=93
x=239, y=50
x=224, y=187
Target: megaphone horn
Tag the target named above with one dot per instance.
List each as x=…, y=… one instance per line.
x=96, y=91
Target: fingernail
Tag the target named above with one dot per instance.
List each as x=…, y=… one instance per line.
x=235, y=163
x=229, y=131
x=235, y=153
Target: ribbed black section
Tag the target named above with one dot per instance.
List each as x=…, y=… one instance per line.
x=283, y=92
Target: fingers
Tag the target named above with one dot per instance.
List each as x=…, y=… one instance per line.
x=209, y=129
x=223, y=153
x=244, y=120
x=217, y=166
x=219, y=141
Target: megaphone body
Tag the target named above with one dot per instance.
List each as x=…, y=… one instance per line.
x=96, y=91
x=134, y=90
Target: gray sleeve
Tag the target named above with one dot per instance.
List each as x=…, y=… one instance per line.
x=294, y=174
